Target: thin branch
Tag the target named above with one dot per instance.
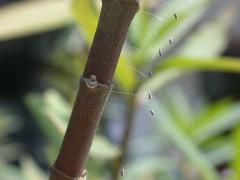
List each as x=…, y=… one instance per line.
x=126, y=137
x=95, y=85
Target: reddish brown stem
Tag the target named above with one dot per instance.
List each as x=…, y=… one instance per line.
x=95, y=85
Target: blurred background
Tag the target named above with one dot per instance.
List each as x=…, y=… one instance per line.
x=193, y=92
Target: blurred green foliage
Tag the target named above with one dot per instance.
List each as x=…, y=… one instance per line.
x=192, y=142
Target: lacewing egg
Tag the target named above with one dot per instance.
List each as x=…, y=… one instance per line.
x=150, y=74
x=160, y=52
x=170, y=40
x=122, y=172
x=175, y=15
x=152, y=113
x=150, y=96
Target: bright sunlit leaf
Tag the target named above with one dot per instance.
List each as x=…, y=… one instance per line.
x=32, y=17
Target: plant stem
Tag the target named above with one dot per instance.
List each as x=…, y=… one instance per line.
x=131, y=104
x=95, y=85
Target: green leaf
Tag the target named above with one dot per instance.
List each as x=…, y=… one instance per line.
x=224, y=64
x=179, y=107
x=149, y=167
x=126, y=76
x=180, y=66
x=159, y=31
x=182, y=142
x=37, y=106
x=222, y=153
x=139, y=28
x=214, y=33
x=216, y=120
x=32, y=17
x=211, y=111
x=30, y=170
x=9, y=172
x=86, y=17
x=236, y=161
x=56, y=104
x=158, y=81
x=103, y=150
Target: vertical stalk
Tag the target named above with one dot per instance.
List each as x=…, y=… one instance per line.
x=95, y=85
x=126, y=137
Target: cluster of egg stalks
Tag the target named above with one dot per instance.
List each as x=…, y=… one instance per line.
x=150, y=96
